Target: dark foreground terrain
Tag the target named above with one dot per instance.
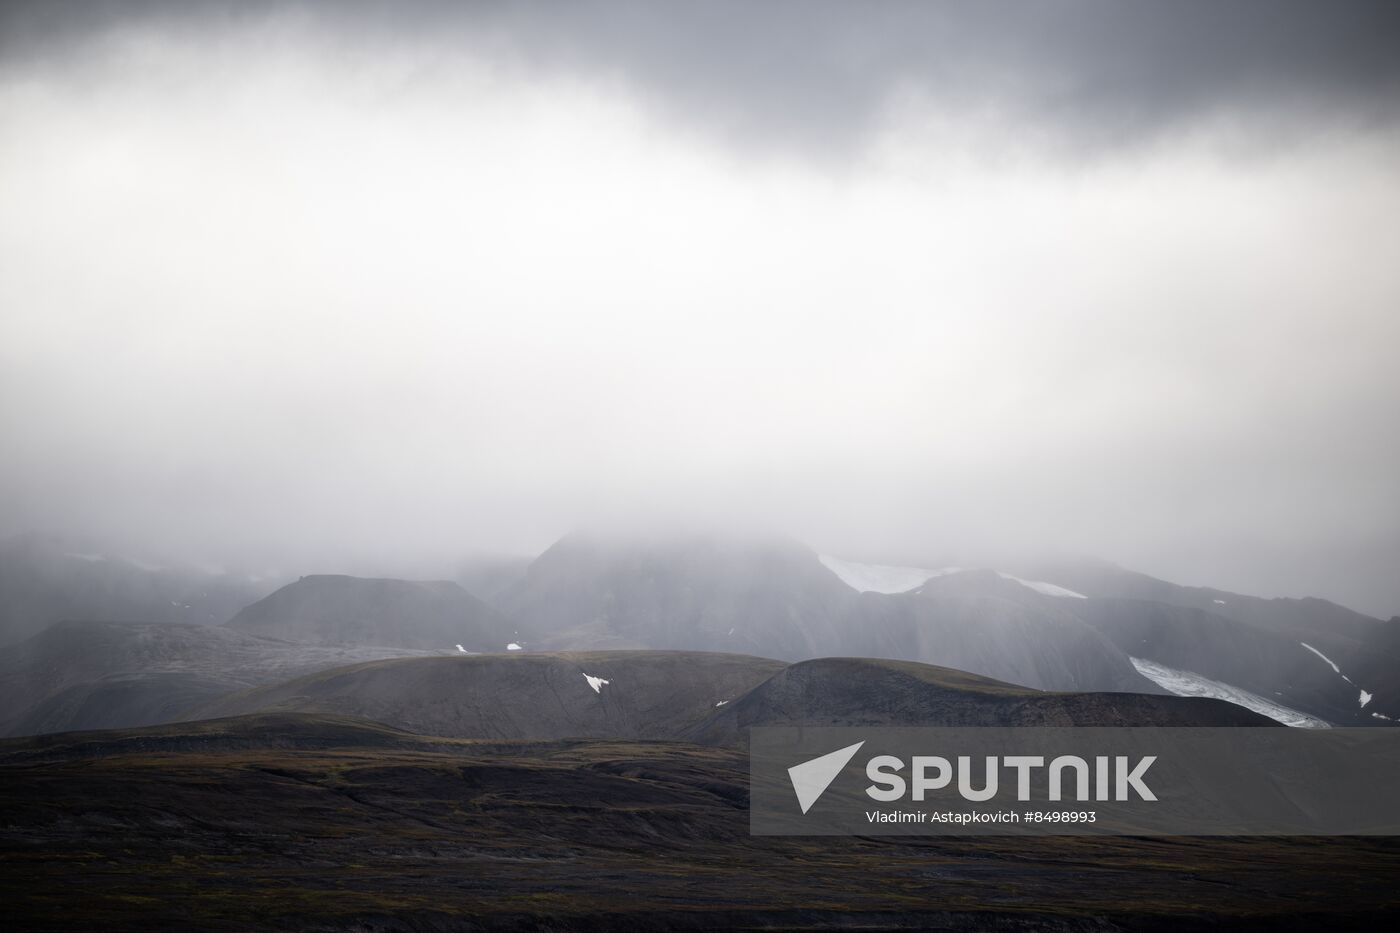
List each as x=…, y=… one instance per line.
x=294, y=821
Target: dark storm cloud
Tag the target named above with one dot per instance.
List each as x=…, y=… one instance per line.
x=817, y=75
x=354, y=286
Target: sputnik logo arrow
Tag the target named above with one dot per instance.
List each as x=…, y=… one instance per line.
x=811, y=778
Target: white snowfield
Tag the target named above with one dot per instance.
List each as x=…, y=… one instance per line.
x=1190, y=684
x=891, y=578
x=881, y=578
x=597, y=683
x=1048, y=589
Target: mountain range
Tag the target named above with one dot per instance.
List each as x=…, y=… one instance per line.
x=1065, y=628
x=382, y=754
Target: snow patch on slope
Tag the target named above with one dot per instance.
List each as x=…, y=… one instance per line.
x=1046, y=589
x=890, y=578
x=880, y=578
x=1364, y=698
x=1190, y=684
x=1330, y=663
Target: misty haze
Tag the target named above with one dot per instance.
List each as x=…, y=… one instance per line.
x=436, y=434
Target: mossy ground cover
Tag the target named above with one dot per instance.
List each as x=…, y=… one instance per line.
x=410, y=833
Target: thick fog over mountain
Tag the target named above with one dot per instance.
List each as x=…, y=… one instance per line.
x=290, y=289
x=568, y=465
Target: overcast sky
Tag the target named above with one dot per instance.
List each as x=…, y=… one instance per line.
x=326, y=287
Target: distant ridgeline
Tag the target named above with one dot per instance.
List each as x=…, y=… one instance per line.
x=1085, y=628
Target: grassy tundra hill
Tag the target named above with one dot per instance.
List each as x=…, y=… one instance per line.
x=321, y=823
x=632, y=694
x=668, y=695
x=876, y=692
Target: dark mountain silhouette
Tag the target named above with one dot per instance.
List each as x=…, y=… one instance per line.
x=1265, y=662
x=1281, y=668
x=343, y=610
x=871, y=692
x=1333, y=628
x=759, y=597
x=88, y=675
x=775, y=598
x=981, y=623
x=43, y=580
x=764, y=597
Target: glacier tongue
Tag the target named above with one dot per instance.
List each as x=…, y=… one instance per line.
x=1190, y=684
